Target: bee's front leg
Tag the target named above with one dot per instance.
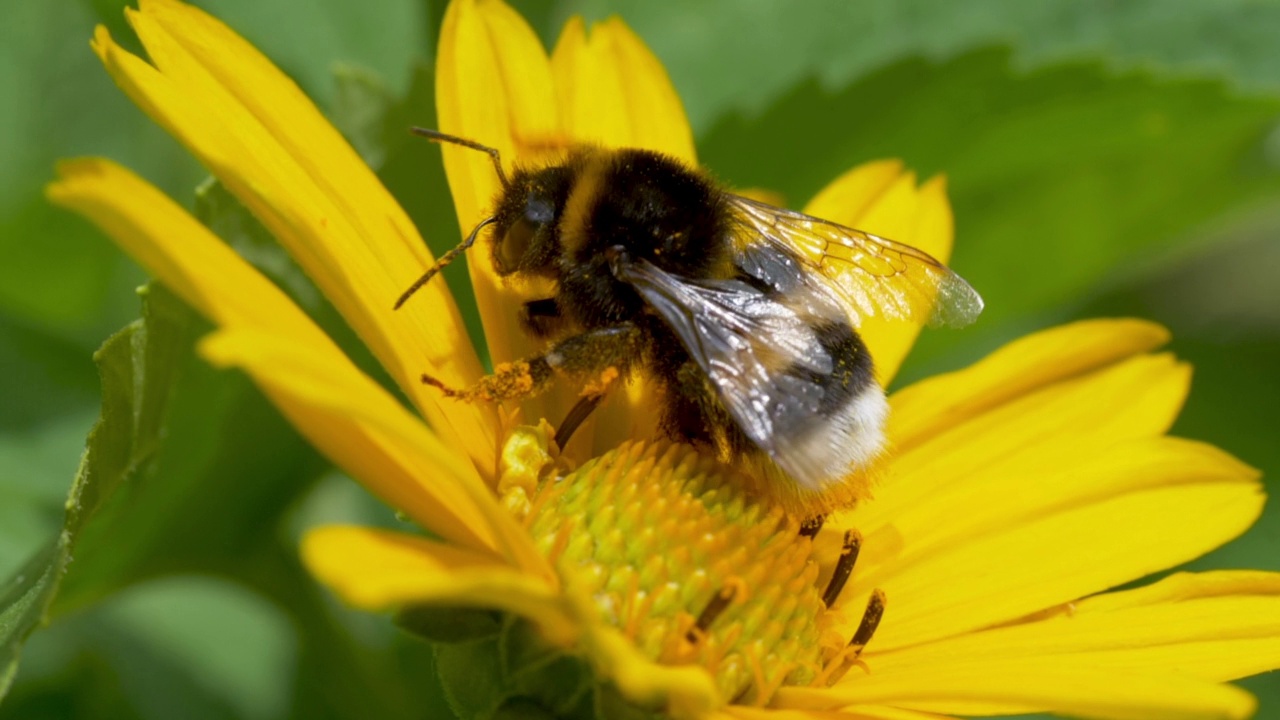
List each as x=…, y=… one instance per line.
x=541, y=318
x=595, y=351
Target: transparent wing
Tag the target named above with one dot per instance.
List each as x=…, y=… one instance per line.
x=765, y=361
x=871, y=275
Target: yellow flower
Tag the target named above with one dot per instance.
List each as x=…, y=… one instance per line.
x=1036, y=477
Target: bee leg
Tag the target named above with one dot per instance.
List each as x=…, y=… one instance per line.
x=616, y=346
x=577, y=415
x=509, y=381
x=541, y=317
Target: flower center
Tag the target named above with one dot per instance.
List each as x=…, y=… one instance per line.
x=674, y=555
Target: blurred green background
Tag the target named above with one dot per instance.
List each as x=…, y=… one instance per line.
x=1104, y=158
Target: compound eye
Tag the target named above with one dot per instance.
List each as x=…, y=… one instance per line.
x=515, y=245
x=521, y=237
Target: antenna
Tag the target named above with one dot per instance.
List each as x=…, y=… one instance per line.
x=444, y=260
x=437, y=136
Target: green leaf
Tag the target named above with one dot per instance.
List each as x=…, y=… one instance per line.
x=23, y=599
x=203, y=626
x=360, y=111
x=516, y=671
x=58, y=272
x=190, y=470
x=189, y=647
x=713, y=48
x=472, y=678
x=448, y=625
x=114, y=444
x=140, y=506
x=1057, y=177
x=1220, y=301
x=306, y=38
x=193, y=471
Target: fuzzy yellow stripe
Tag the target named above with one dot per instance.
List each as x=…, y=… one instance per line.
x=218, y=283
x=256, y=132
x=925, y=408
x=882, y=198
x=378, y=570
x=1068, y=686
x=614, y=92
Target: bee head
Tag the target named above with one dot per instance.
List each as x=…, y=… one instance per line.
x=526, y=235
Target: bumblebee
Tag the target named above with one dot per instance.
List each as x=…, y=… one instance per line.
x=743, y=313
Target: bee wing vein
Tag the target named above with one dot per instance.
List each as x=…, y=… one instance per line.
x=872, y=275
x=751, y=347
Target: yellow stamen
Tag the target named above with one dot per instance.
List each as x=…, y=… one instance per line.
x=672, y=553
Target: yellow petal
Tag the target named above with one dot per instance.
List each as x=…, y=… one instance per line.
x=219, y=284
x=379, y=570
x=171, y=245
x=262, y=138
x=858, y=712
x=362, y=427
x=614, y=92
x=683, y=691
x=852, y=197
x=1003, y=575
x=1036, y=435
x=980, y=506
x=1067, y=686
x=1186, y=586
x=1213, y=626
x=1021, y=491
x=882, y=199
x=493, y=85
x=925, y=408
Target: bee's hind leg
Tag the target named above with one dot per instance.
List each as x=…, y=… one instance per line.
x=616, y=346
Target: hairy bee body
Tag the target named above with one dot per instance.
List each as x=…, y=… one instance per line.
x=622, y=233
x=744, y=313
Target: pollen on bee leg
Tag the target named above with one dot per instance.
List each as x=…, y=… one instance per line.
x=600, y=384
x=439, y=384
x=844, y=567
x=509, y=381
